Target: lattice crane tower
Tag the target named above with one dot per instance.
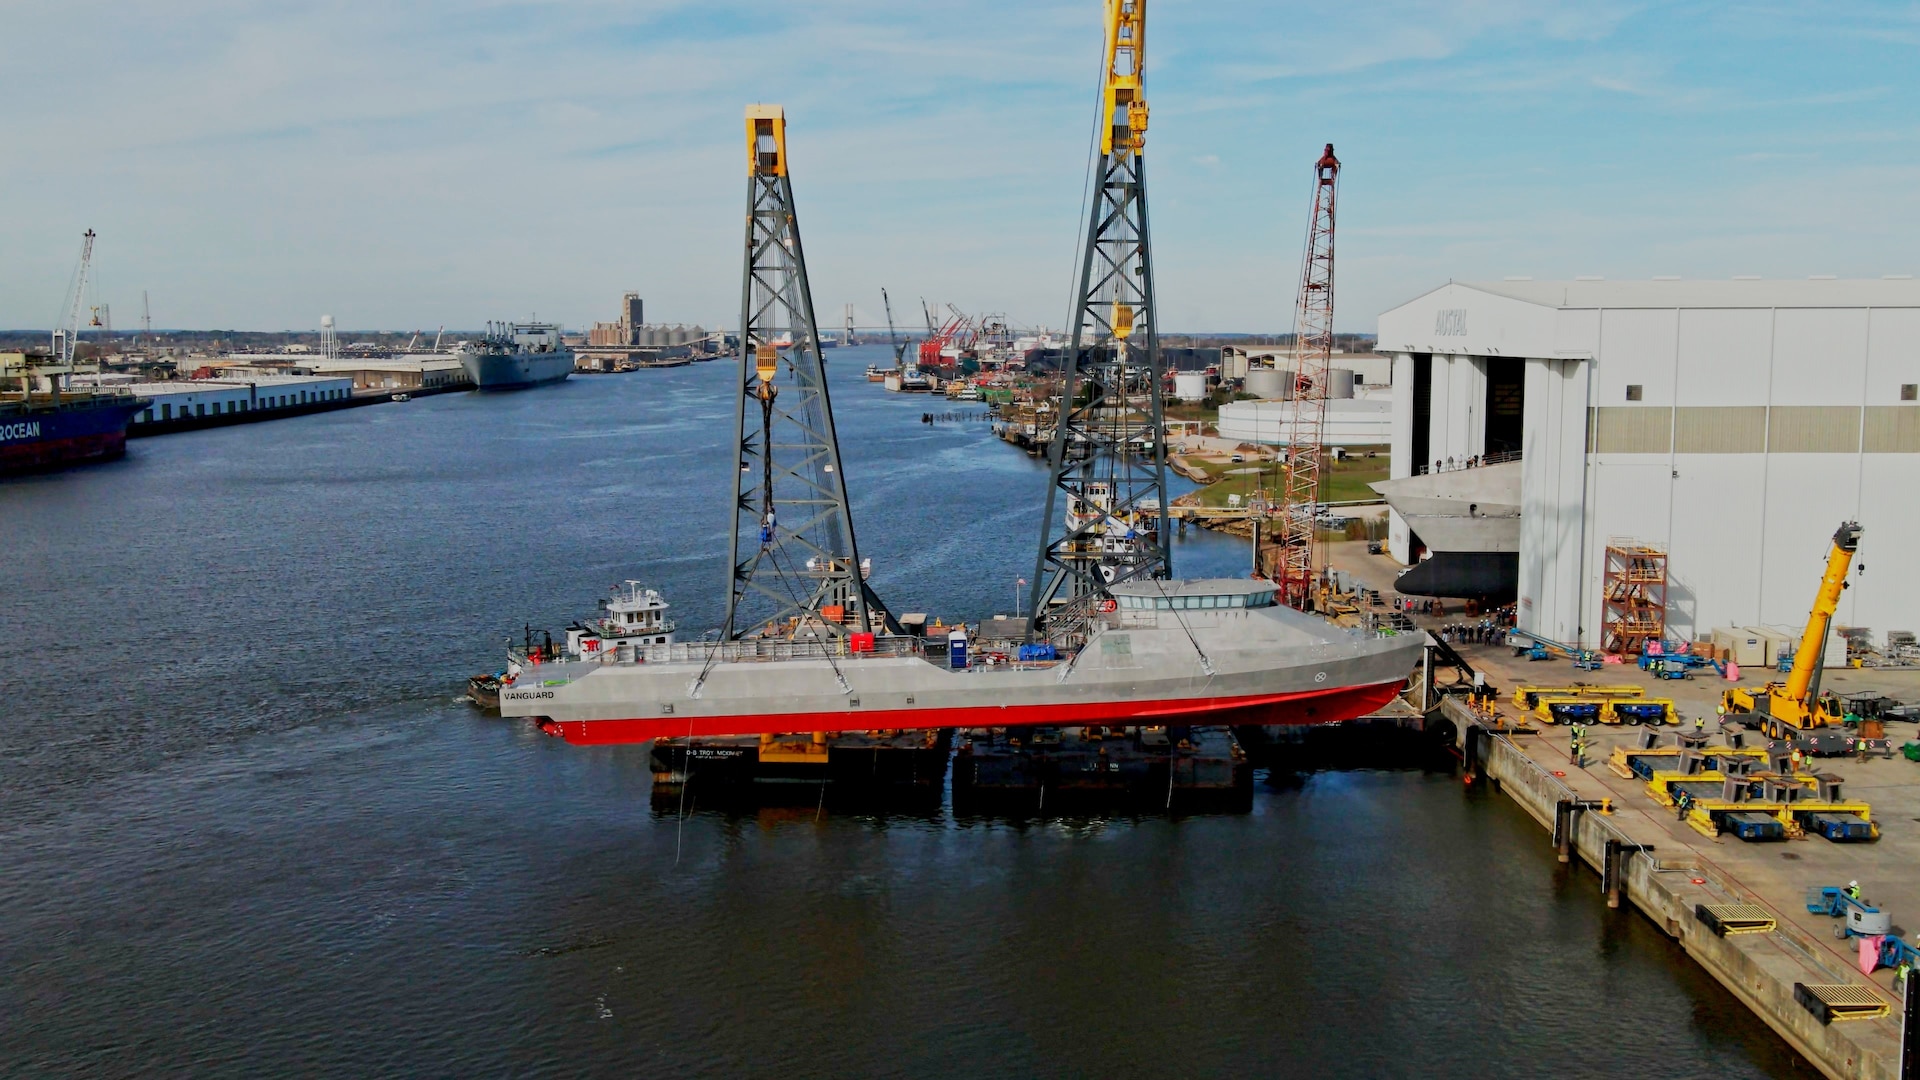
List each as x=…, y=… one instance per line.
x=1298, y=563
x=793, y=562
x=67, y=334
x=1106, y=506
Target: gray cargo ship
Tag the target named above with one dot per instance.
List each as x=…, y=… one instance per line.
x=512, y=356
x=1218, y=651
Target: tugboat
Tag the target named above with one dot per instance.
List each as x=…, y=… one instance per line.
x=1116, y=534
x=632, y=619
x=484, y=691
x=908, y=380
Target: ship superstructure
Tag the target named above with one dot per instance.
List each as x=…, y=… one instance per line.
x=632, y=618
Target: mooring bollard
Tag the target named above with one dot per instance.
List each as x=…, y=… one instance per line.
x=1475, y=762
x=1613, y=873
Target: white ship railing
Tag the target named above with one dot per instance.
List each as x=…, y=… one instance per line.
x=770, y=650
x=754, y=649
x=612, y=629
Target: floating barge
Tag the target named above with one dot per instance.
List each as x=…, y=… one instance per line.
x=1041, y=769
x=883, y=766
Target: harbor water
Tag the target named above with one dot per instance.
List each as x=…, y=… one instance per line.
x=246, y=825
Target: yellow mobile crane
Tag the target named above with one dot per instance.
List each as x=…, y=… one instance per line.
x=1796, y=703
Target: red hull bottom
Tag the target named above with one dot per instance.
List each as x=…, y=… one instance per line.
x=42, y=454
x=1319, y=707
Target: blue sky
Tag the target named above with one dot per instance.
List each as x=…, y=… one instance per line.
x=403, y=165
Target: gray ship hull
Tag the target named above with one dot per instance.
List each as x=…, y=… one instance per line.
x=1269, y=666
x=517, y=370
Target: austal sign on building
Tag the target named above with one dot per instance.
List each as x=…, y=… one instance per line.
x=1734, y=423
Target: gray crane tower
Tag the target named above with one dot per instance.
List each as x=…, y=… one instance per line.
x=793, y=563
x=1107, y=503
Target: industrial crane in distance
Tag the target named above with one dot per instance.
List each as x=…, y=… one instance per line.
x=893, y=338
x=1796, y=703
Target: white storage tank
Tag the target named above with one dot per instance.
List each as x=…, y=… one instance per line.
x=1268, y=384
x=1190, y=385
x=1339, y=382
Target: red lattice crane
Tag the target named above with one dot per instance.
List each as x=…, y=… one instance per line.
x=1296, y=567
x=955, y=333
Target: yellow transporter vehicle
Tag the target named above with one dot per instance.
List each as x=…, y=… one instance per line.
x=1528, y=697
x=1651, y=711
x=1839, y=822
x=1784, y=807
x=1628, y=763
x=1796, y=704
x=1568, y=710
x=1661, y=785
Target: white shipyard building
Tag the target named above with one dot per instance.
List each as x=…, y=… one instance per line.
x=1734, y=424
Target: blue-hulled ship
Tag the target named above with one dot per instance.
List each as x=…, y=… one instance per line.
x=45, y=425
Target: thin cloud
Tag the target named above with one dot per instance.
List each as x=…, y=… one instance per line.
x=252, y=163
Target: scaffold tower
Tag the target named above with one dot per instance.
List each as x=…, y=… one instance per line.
x=1633, y=596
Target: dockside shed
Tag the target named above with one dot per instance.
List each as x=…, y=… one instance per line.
x=1734, y=423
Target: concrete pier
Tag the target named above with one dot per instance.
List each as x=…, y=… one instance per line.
x=1644, y=857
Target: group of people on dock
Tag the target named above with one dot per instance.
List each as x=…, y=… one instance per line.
x=1485, y=632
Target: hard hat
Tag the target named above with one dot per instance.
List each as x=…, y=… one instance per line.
x=1853, y=884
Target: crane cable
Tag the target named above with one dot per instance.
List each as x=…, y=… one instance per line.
x=1086, y=186
x=786, y=580
x=1206, y=664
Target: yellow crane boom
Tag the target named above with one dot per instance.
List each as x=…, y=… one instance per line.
x=1796, y=703
x=1813, y=644
x=1124, y=104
